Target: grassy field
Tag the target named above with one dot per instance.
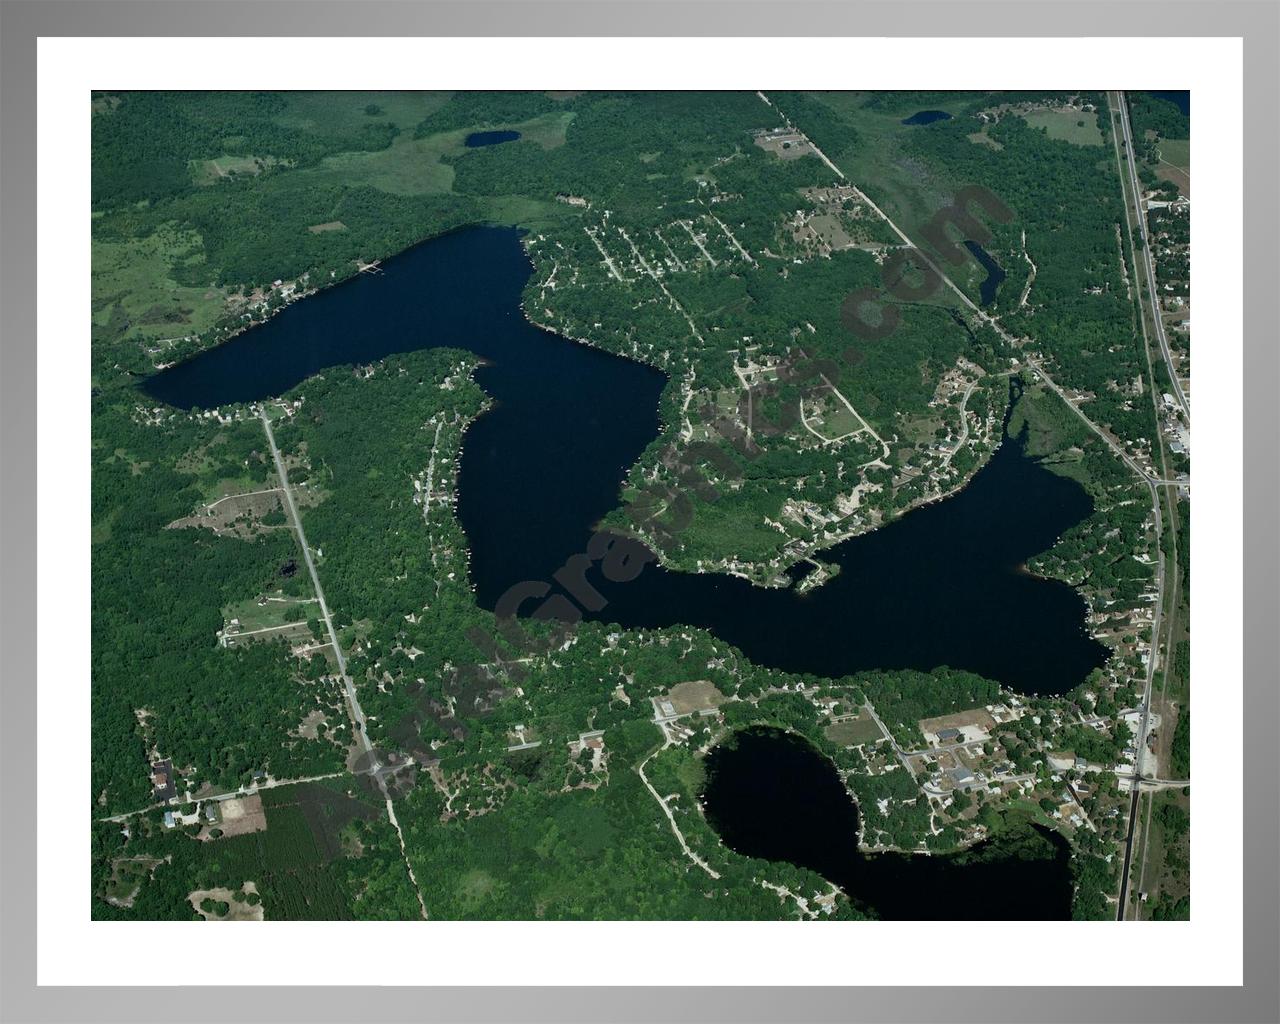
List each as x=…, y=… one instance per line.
x=1080, y=128
x=412, y=166
x=854, y=731
x=210, y=172
x=1176, y=152
x=837, y=420
x=276, y=611
x=133, y=284
x=1175, y=163
x=352, y=110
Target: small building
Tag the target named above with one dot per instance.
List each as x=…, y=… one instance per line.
x=162, y=785
x=948, y=735
x=959, y=776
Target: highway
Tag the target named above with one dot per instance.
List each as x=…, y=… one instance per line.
x=1128, y=167
x=1167, y=592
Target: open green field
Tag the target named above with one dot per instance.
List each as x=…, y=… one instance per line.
x=854, y=731
x=210, y=172
x=348, y=111
x=273, y=610
x=134, y=287
x=1176, y=152
x=1078, y=127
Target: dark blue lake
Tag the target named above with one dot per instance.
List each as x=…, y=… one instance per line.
x=770, y=794
x=1181, y=98
x=477, y=139
x=927, y=117
x=944, y=585
x=995, y=275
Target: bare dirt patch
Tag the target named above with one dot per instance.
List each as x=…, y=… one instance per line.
x=1176, y=175
x=208, y=903
x=238, y=515
x=983, y=139
x=332, y=225
x=975, y=724
x=309, y=727
x=238, y=816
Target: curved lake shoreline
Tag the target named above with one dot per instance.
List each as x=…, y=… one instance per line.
x=771, y=794
x=942, y=585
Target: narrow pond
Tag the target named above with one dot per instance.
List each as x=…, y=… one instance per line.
x=770, y=794
x=944, y=585
x=927, y=117
x=995, y=274
x=477, y=139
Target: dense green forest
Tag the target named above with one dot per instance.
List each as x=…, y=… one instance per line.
x=161, y=679
x=1158, y=114
x=326, y=854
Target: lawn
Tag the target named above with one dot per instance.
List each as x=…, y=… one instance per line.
x=854, y=731
x=277, y=612
x=1176, y=152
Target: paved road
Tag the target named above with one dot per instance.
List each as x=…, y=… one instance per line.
x=1168, y=589
x=1128, y=164
x=357, y=713
x=243, y=791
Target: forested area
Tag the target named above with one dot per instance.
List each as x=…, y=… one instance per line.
x=380, y=569
x=606, y=853
x=642, y=156
x=1158, y=114
x=326, y=855
x=1098, y=553
x=484, y=109
x=144, y=142
x=160, y=679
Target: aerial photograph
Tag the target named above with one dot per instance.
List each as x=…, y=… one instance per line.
x=659, y=506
